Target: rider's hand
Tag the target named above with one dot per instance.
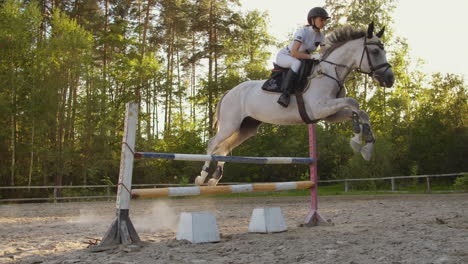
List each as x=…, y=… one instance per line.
x=315, y=56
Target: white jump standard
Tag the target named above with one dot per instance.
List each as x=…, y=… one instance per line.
x=122, y=231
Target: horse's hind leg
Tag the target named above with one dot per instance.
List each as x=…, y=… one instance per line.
x=213, y=144
x=226, y=130
x=247, y=130
x=199, y=180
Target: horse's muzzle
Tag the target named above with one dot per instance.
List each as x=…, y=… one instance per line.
x=385, y=78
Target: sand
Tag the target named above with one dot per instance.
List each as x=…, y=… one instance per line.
x=366, y=229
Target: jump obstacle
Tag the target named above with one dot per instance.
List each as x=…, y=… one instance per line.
x=122, y=230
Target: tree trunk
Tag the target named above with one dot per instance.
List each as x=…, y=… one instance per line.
x=31, y=156
x=366, y=84
x=215, y=43
x=13, y=131
x=168, y=120
x=210, y=71
x=179, y=91
x=192, y=81
x=155, y=109
x=167, y=102
x=143, y=50
x=60, y=136
x=104, y=60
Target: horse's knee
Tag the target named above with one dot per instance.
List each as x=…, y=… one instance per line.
x=364, y=116
x=352, y=102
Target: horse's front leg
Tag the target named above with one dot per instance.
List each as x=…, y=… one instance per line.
x=368, y=136
x=355, y=142
x=361, y=129
x=346, y=115
x=332, y=107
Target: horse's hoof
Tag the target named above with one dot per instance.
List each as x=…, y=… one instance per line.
x=356, y=143
x=199, y=180
x=367, y=150
x=212, y=182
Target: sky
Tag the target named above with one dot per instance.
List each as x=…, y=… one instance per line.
x=436, y=31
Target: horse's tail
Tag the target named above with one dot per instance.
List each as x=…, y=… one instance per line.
x=216, y=115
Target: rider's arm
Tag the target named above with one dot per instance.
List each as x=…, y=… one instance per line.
x=301, y=55
x=298, y=54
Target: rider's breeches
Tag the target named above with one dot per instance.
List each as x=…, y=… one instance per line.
x=287, y=61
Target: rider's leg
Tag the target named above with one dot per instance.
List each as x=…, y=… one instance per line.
x=287, y=87
x=288, y=84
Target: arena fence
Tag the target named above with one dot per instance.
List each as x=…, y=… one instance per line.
x=108, y=191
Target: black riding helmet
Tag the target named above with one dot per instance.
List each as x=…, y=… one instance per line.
x=317, y=12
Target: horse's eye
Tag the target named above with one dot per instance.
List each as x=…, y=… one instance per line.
x=375, y=52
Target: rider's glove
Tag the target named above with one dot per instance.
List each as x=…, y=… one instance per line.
x=315, y=56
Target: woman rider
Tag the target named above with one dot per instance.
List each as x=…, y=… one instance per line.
x=304, y=43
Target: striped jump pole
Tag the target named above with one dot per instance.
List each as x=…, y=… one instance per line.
x=240, y=188
x=235, y=159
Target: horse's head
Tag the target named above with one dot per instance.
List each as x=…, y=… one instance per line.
x=374, y=58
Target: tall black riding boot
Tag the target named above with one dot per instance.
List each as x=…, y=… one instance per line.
x=287, y=87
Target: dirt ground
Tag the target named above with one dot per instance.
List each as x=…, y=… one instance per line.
x=367, y=229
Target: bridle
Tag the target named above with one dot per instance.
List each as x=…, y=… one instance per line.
x=373, y=68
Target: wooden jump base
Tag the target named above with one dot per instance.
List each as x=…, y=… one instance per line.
x=200, y=190
x=122, y=231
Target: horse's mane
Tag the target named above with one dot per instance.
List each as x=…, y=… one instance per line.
x=340, y=36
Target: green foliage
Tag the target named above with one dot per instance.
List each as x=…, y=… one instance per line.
x=461, y=183
x=66, y=74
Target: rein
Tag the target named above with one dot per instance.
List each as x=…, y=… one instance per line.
x=373, y=69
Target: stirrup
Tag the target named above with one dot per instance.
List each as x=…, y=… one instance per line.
x=284, y=100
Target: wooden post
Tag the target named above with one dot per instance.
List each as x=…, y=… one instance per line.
x=393, y=184
x=428, y=185
x=121, y=230
x=346, y=186
x=108, y=193
x=55, y=194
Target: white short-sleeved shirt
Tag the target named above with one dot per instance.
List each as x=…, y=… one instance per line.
x=308, y=38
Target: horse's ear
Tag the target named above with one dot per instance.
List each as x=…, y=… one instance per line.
x=380, y=34
x=370, y=30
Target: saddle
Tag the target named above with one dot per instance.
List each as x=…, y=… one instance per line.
x=278, y=73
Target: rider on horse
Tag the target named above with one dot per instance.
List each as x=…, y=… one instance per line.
x=306, y=40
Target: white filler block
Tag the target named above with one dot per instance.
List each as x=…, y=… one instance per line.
x=198, y=227
x=267, y=220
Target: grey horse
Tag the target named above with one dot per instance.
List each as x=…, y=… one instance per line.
x=242, y=109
